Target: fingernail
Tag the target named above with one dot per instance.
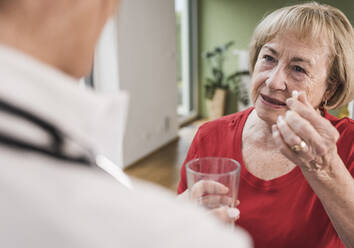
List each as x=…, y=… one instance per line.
x=289, y=101
x=288, y=113
x=280, y=120
x=295, y=94
x=233, y=213
x=274, y=130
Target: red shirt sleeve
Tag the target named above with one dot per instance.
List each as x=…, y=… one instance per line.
x=345, y=143
x=345, y=147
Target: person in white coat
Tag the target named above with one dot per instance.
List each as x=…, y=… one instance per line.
x=51, y=193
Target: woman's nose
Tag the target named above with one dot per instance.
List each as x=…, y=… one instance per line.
x=277, y=79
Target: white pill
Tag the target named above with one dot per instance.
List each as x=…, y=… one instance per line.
x=295, y=94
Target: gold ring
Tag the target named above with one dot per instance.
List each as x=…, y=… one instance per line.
x=298, y=147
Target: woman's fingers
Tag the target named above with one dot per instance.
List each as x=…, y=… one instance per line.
x=213, y=195
x=301, y=106
x=226, y=214
x=203, y=187
x=215, y=201
x=287, y=133
x=321, y=126
x=283, y=147
x=295, y=129
x=303, y=135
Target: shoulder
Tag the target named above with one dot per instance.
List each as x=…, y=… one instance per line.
x=82, y=202
x=225, y=124
x=345, y=126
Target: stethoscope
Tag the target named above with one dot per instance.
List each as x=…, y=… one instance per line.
x=56, y=147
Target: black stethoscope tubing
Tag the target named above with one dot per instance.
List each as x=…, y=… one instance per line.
x=54, y=149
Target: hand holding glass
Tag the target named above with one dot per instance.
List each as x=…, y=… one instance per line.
x=213, y=183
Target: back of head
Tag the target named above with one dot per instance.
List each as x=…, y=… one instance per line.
x=60, y=33
x=308, y=22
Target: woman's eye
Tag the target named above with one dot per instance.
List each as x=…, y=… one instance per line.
x=268, y=58
x=299, y=69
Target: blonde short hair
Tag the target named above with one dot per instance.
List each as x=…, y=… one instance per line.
x=308, y=21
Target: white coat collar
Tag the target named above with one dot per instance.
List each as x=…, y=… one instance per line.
x=97, y=120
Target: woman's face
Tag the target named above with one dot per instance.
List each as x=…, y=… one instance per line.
x=285, y=64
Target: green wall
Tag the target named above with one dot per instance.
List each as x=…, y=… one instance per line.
x=220, y=21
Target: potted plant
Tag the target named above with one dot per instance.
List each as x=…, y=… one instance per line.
x=218, y=83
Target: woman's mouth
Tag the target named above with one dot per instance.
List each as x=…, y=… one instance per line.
x=272, y=101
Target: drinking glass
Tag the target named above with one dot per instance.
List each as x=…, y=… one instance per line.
x=213, y=182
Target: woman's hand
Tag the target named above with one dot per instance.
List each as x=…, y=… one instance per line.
x=305, y=137
x=213, y=195
x=309, y=140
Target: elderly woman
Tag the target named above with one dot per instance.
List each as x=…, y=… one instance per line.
x=297, y=187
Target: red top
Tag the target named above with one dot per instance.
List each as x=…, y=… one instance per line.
x=282, y=212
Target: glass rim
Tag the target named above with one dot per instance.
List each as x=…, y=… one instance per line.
x=188, y=169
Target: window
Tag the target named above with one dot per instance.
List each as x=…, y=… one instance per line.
x=186, y=59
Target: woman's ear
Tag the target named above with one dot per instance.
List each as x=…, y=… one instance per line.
x=331, y=90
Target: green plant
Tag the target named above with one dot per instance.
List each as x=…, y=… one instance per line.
x=215, y=60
